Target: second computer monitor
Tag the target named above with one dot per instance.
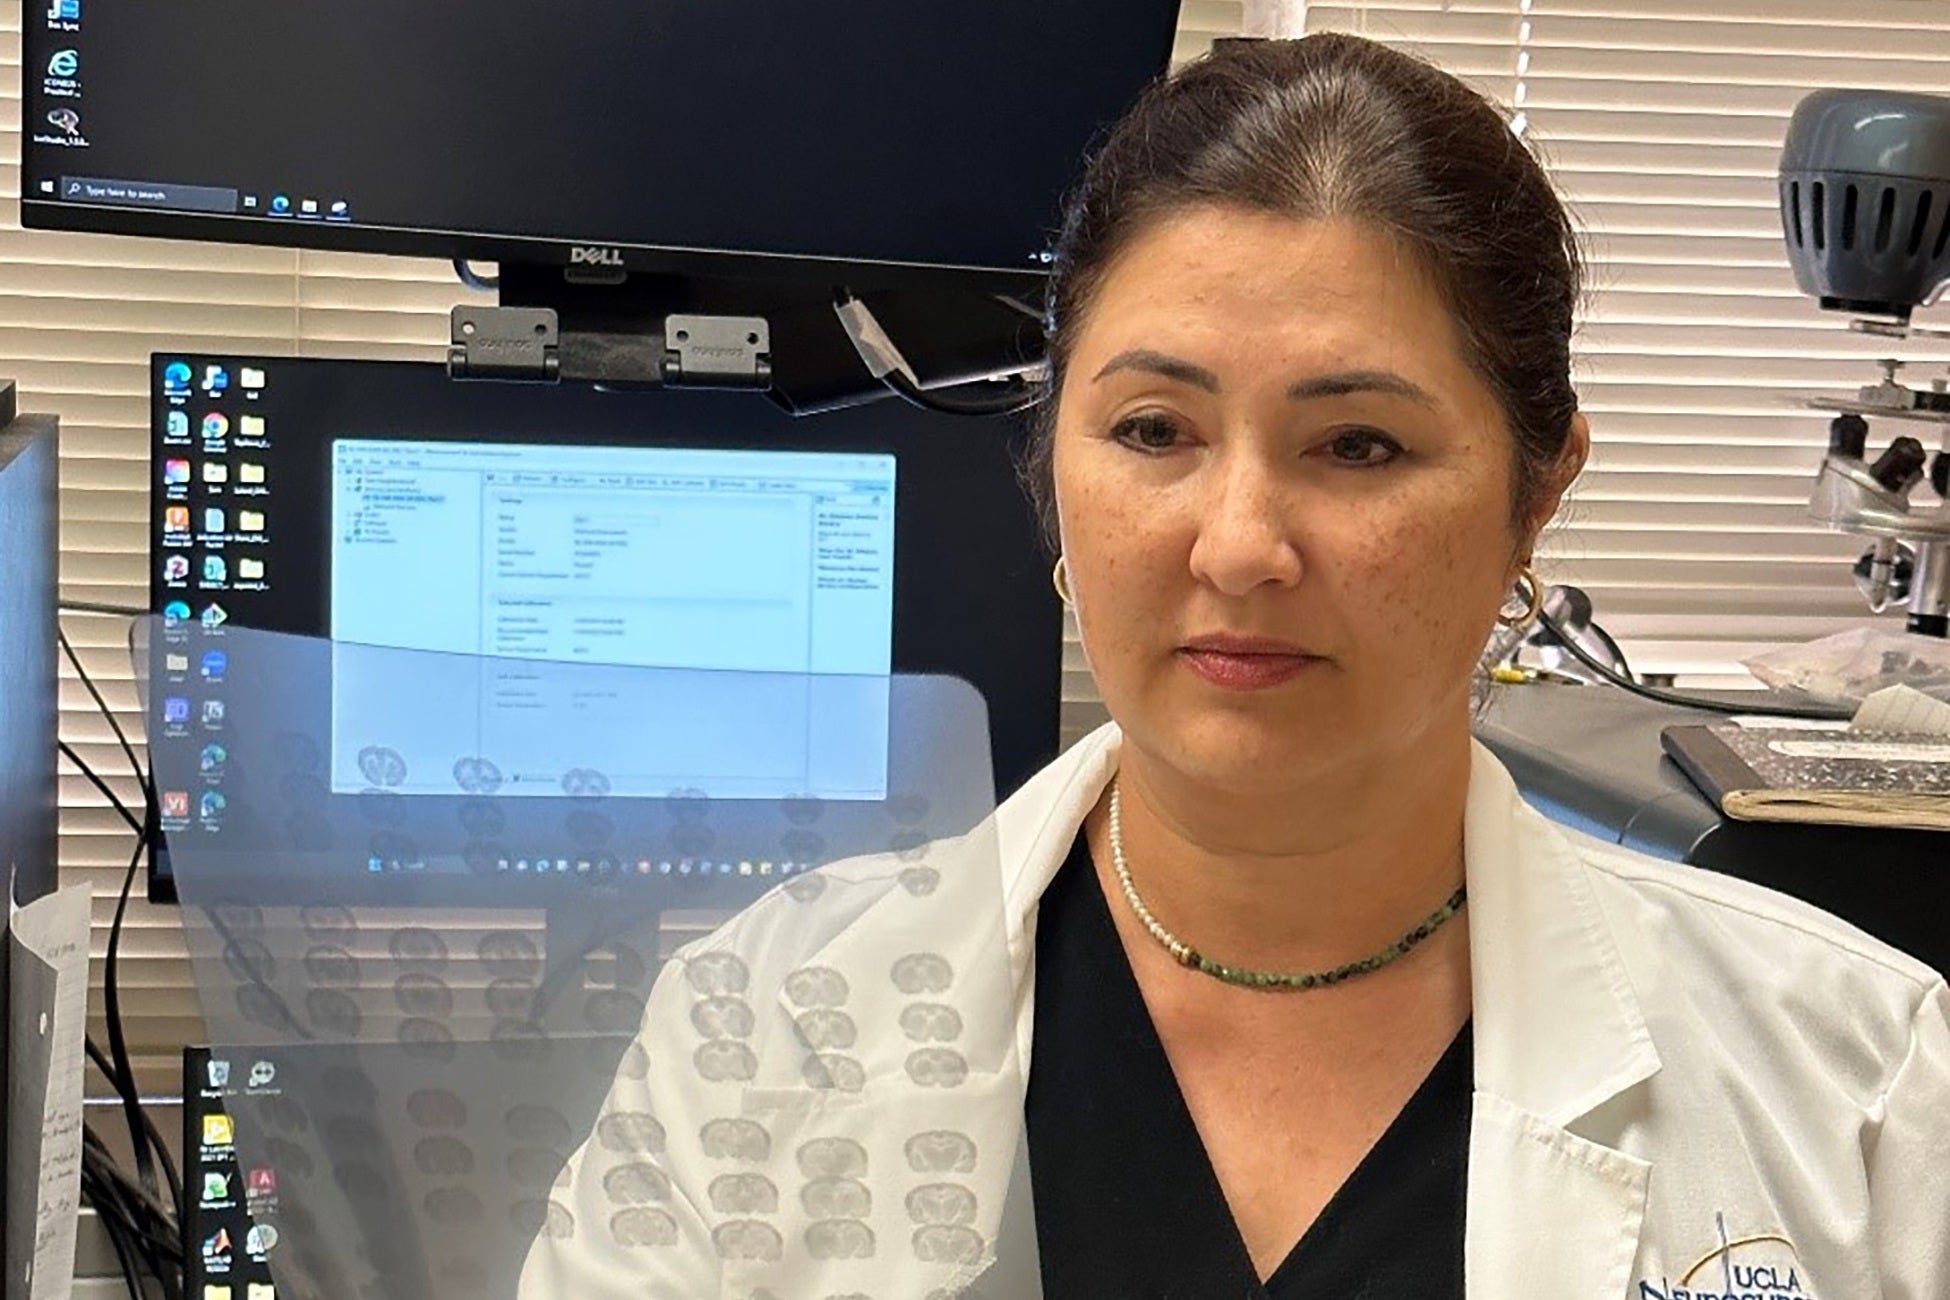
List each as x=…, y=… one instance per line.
x=489, y=525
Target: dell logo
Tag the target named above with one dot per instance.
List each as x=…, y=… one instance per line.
x=590, y=256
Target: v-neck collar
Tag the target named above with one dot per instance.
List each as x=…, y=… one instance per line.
x=1096, y=1026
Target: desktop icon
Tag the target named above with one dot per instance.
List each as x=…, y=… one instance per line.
x=215, y=664
x=175, y=612
x=218, y=1072
x=250, y=426
x=308, y=208
x=176, y=379
x=214, y=617
x=262, y=1239
x=64, y=11
x=216, y=380
x=214, y=1291
x=280, y=205
x=176, y=519
x=341, y=209
x=218, y=1131
x=65, y=119
x=260, y=1291
x=263, y=1182
x=176, y=471
x=213, y=713
x=216, y=1248
x=176, y=803
x=211, y=806
x=213, y=520
x=176, y=709
x=178, y=664
x=250, y=472
x=216, y=1187
x=177, y=425
x=215, y=471
x=251, y=377
x=250, y=521
x=64, y=64
x=216, y=424
x=176, y=568
x=249, y=570
x=213, y=758
x=215, y=570
x=263, y=1074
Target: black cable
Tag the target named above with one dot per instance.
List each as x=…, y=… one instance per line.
x=114, y=799
x=474, y=279
x=1712, y=704
x=142, y=1232
x=141, y=1229
x=111, y=992
x=114, y=723
x=149, y=1225
x=1612, y=648
x=1008, y=398
x=118, y=1046
x=171, y=1176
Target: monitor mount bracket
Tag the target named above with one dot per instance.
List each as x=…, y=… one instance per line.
x=690, y=351
x=703, y=328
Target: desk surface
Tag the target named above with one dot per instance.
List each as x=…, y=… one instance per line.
x=1589, y=756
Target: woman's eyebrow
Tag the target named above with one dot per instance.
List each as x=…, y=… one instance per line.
x=1342, y=383
x=1158, y=363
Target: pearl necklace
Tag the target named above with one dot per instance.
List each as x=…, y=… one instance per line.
x=1185, y=955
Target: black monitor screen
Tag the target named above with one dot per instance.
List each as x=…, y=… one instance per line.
x=230, y=1208
x=937, y=134
x=384, y=504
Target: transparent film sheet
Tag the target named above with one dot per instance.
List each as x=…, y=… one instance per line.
x=598, y=980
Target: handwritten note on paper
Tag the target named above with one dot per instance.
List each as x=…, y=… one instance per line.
x=1902, y=711
x=48, y=957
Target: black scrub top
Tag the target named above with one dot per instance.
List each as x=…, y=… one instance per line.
x=1127, y=1204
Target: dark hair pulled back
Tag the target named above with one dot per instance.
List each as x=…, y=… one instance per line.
x=1334, y=126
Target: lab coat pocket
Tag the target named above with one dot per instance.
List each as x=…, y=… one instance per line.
x=1550, y=1213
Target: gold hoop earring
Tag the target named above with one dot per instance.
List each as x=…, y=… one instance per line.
x=1059, y=578
x=1533, y=596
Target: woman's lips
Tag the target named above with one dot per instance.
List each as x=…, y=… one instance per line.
x=1247, y=665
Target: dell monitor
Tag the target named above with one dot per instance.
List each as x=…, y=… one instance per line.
x=871, y=133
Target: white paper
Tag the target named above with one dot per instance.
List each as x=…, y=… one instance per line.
x=54, y=930
x=1902, y=711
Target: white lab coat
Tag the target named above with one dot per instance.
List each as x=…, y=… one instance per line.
x=1685, y=1086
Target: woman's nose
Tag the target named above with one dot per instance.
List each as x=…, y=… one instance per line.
x=1244, y=532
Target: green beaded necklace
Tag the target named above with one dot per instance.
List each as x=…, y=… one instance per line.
x=1185, y=955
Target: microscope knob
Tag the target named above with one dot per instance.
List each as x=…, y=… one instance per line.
x=1900, y=466
x=1901, y=574
x=1848, y=435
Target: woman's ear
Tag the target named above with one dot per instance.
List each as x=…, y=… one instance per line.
x=1570, y=463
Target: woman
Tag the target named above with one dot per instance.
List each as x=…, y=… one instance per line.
x=1311, y=1004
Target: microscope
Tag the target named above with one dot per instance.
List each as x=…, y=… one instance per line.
x=1865, y=209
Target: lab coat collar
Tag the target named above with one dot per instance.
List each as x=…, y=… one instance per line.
x=1558, y=1030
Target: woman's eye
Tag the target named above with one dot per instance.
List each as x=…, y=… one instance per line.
x=1362, y=447
x=1146, y=432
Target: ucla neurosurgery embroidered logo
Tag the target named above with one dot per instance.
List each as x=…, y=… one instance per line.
x=1762, y=1266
